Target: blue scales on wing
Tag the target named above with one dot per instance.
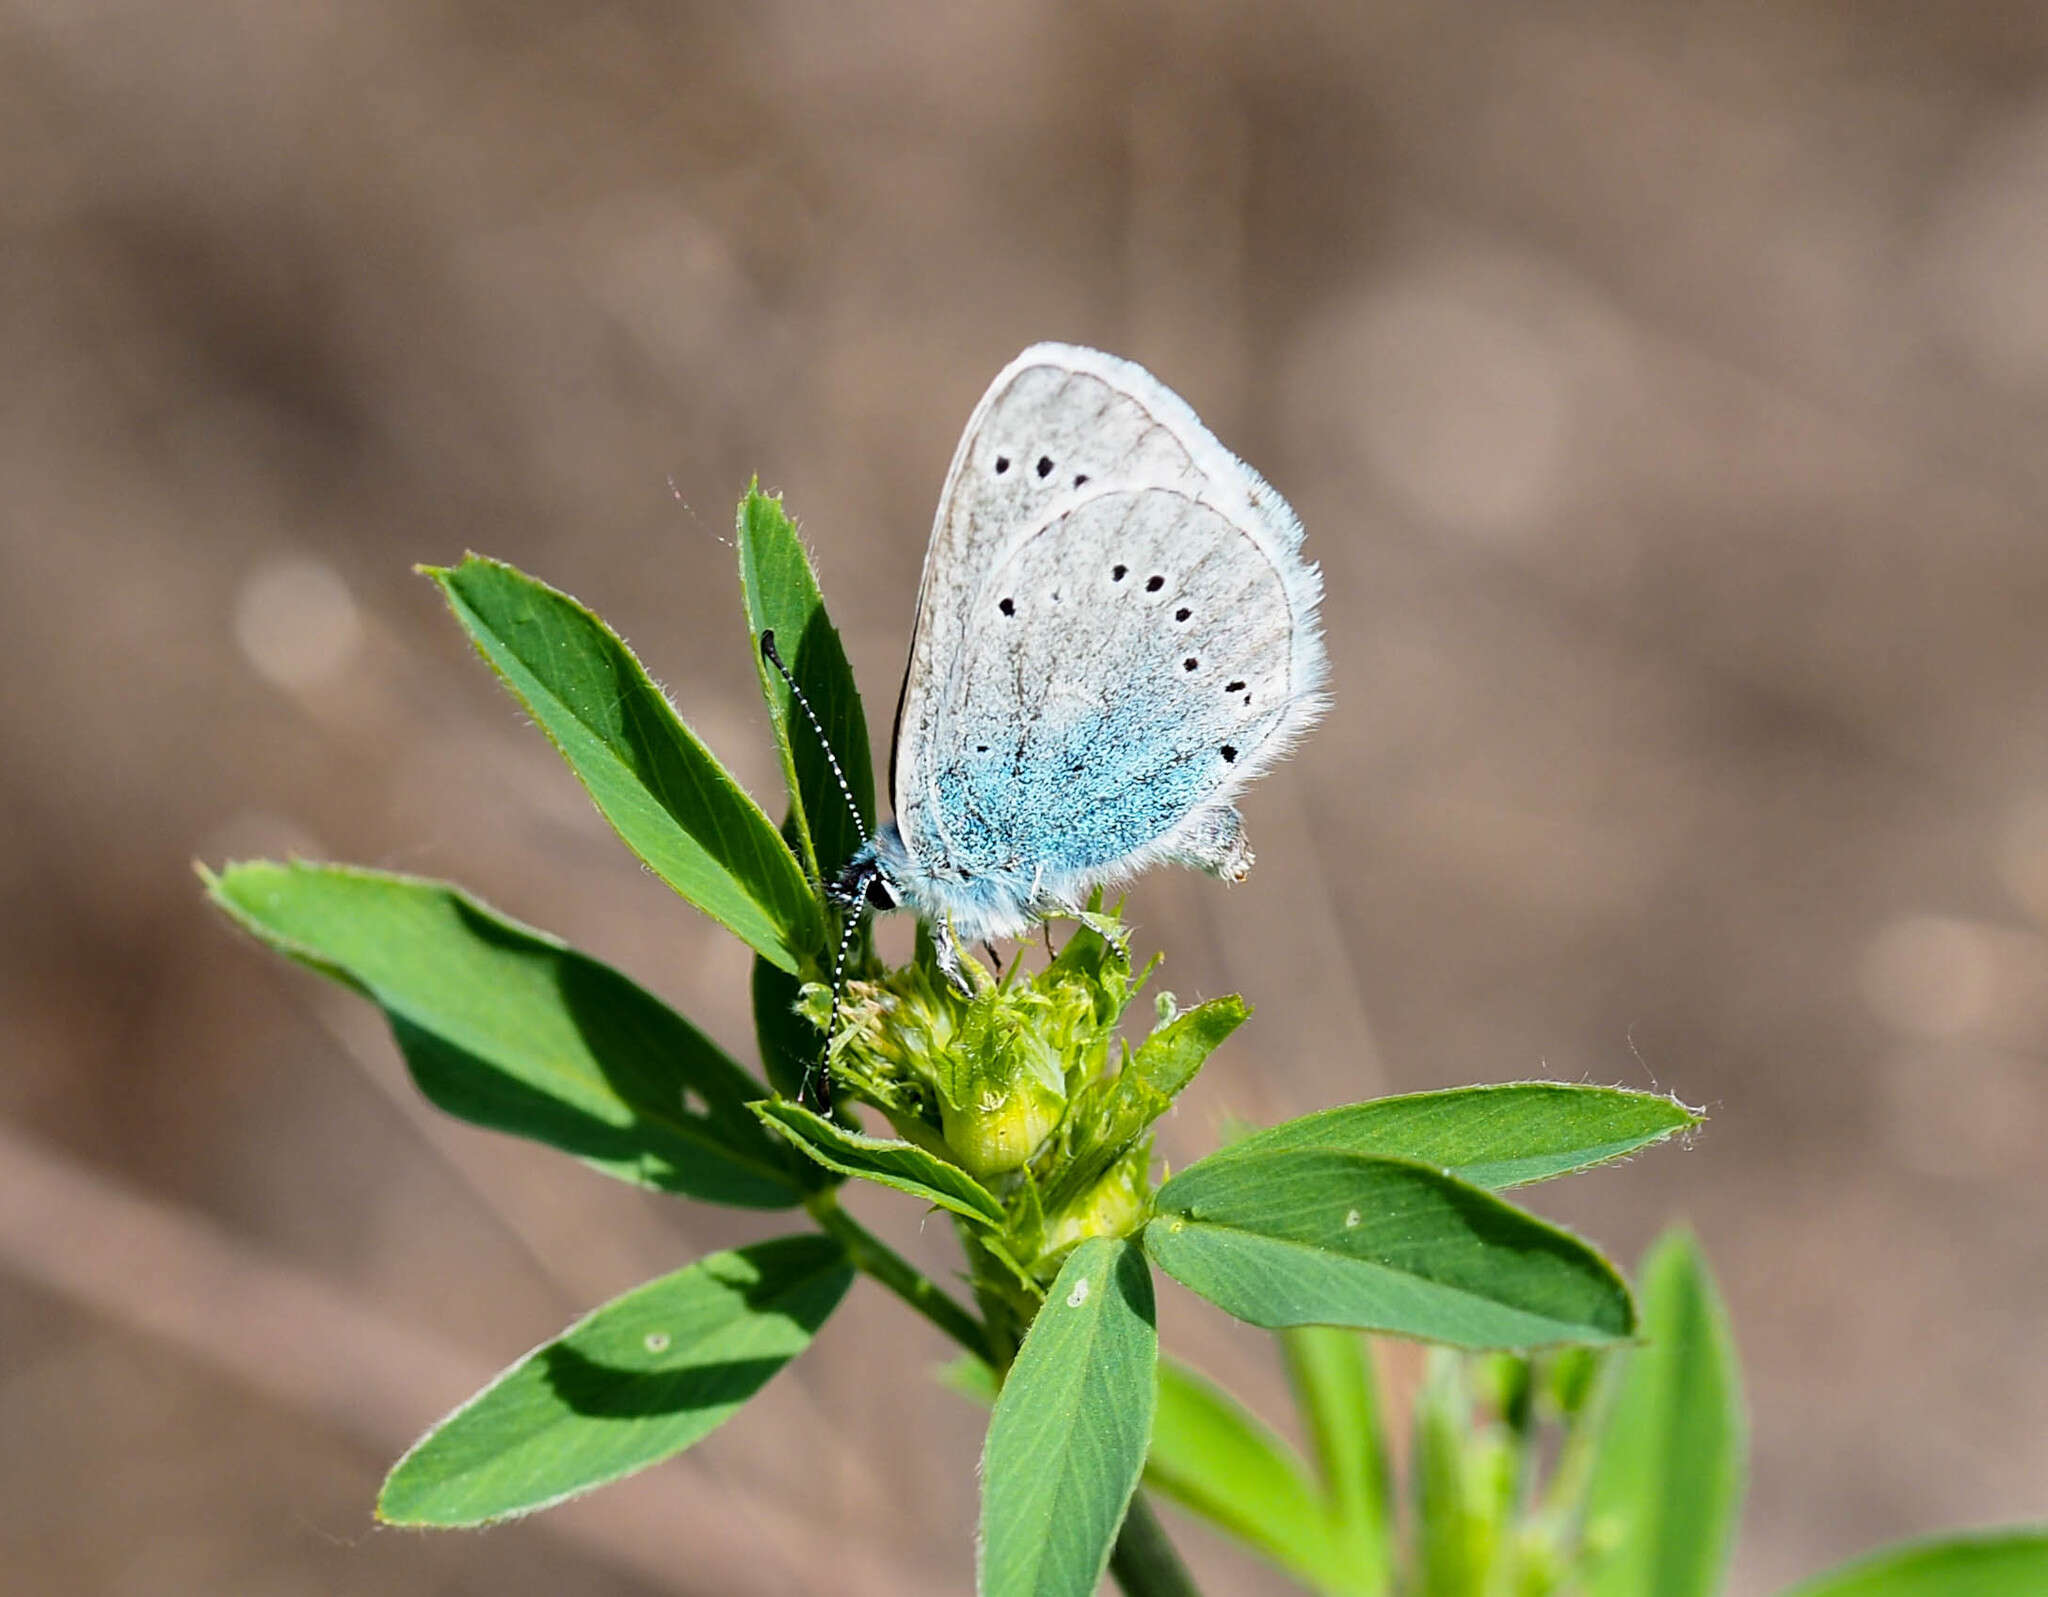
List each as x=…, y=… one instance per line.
x=1126, y=666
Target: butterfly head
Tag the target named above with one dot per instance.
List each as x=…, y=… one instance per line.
x=873, y=876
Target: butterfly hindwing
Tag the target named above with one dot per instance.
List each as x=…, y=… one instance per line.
x=1128, y=666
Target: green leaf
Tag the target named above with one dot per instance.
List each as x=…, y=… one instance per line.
x=1993, y=1563
x=1105, y=1121
x=663, y=792
x=505, y=1026
x=1667, y=1478
x=1112, y=1116
x=1494, y=1136
x=1068, y=1437
x=1219, y=1461
x=782, y=597
x=1168, y=1059
x=1318, y=1237
x=1330, y=1370
x=902, y=1165
x=638, y=1380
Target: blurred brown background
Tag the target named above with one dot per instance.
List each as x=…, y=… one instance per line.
x=1663, y=387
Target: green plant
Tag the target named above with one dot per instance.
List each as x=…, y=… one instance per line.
x=1021, y=1111
x=1613, y=1473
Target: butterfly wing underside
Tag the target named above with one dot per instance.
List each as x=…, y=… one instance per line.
x=1116, y=631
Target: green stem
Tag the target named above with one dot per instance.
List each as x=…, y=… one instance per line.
x=874, y=1257
x=1144, y=1561
x=1563, y=1502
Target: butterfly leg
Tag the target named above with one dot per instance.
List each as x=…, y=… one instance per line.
x=1110, y=928
x=1213, y=840
x=947, y=948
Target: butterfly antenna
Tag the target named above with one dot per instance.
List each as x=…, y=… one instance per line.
x=774, y=658
x=816, y=1087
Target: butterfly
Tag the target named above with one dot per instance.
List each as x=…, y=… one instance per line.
x=1116, y=631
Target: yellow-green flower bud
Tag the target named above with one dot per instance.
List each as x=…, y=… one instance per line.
x=1000, y=1130
x=1110, y=1208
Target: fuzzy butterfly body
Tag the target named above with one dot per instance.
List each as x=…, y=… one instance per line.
x=1116, y=631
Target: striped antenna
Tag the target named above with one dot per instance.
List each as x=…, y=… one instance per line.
x=816, y=1088
x=774, y=658
x=815, y=1091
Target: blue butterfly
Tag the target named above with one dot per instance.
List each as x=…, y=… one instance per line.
x=1115, y=633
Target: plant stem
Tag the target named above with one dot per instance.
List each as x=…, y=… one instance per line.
x=874, y=1257
x=1144, y=1561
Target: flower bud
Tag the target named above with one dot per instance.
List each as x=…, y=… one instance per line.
x=998, y=1131
x=1110, y=1208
